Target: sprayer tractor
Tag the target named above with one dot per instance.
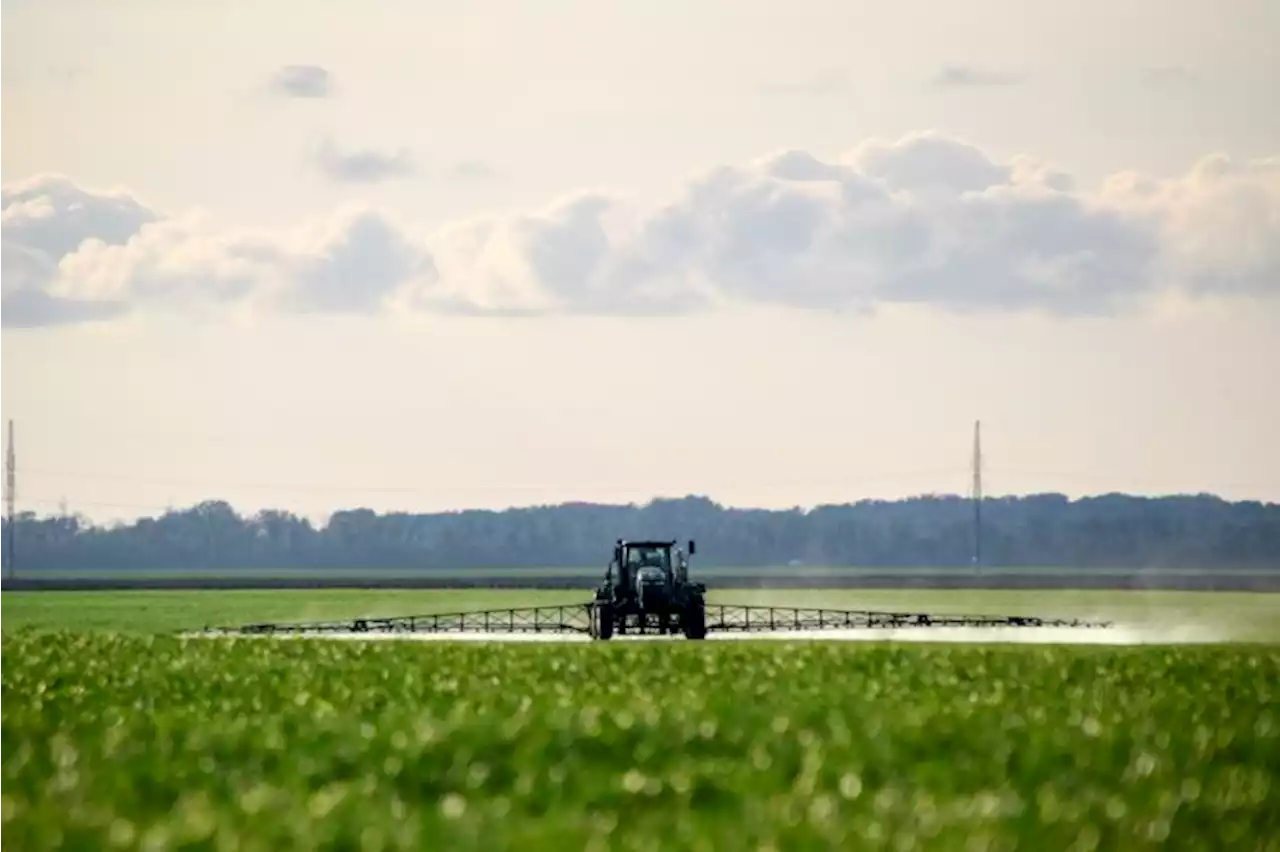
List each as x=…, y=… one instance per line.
x=646, y=589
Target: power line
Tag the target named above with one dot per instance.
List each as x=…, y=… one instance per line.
x=59, y=499
x=417, y=490
x=977, y=471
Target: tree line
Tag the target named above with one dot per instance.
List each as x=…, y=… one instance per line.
x=1114, y=530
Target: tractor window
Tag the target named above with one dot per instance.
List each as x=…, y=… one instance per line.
x=648, y=557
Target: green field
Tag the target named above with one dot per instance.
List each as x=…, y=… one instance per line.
x=590, y=574
x=1229, y=616
x=119, y=735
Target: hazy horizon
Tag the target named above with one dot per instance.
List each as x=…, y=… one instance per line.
x=437, y=257
x=99, y=513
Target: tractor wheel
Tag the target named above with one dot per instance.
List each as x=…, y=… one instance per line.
x=695, y=620
x=603, y=621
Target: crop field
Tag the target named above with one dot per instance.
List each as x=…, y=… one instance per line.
x=1219, y=616
x=118, y=734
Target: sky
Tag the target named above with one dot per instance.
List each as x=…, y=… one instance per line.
x=430, y=256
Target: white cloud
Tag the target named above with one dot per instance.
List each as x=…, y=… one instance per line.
x=354, y=261
x=50, y=214
x=1219, y=225
x=926, y=162
x=301, y=81
x=46, y=218
x=923, y=219
x=365, y=165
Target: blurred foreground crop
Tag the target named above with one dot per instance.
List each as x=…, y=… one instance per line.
x=133, y=742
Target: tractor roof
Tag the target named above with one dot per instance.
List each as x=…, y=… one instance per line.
x=671, y=543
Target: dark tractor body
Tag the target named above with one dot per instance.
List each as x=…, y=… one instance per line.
x=646, y=589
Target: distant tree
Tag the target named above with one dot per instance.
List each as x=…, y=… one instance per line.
x=1200, y=531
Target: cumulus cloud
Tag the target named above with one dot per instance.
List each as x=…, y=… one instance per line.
x=51, y=215
x=1219, y=224
x=301, y=81
x=353, y=262
x=46, y=218
x=362, y=165
x=924, y=219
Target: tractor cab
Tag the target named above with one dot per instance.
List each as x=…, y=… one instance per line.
x=648, y=558
x=647, y=587
x=648, y=563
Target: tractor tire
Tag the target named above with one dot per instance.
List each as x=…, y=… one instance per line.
x=603, y=622
x=695, y=620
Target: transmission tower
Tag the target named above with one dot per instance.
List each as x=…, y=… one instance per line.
x=10, y=491
x=977, y=495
